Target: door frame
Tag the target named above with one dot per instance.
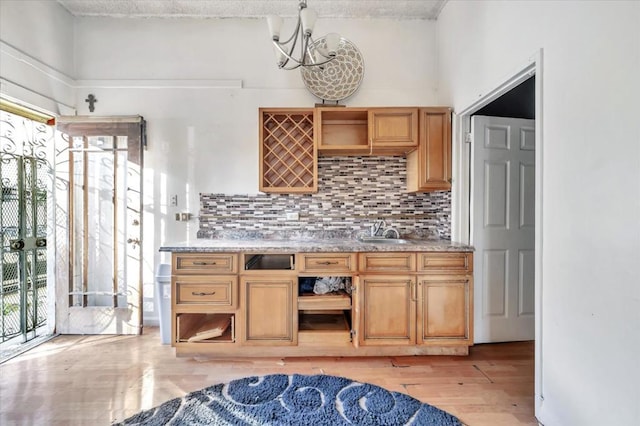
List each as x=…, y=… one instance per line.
x=461, y=229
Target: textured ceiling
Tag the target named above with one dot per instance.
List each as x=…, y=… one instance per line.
x=393, y=9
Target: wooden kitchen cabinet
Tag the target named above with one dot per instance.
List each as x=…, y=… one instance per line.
x=433, y=307
x=366, y=131
x=292, y=138
x=204, y=298
x=444, y=310
x=445, y=298
x=393, y=130
x=249, y=304
x=288, y=154
x=326, y=319
x=429, y=167
x=270, y=309
x=387, y=310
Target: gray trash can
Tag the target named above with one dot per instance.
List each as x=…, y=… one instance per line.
x=163, y=301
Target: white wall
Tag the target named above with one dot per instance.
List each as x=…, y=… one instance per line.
x=36, y=54
x=590, y=313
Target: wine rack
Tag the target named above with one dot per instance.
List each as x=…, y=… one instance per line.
x=288, y=154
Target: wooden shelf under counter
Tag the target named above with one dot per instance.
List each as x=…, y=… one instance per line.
x=319, y=302
x=205, y=328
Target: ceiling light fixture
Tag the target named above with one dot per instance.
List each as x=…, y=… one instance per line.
x=306, y=56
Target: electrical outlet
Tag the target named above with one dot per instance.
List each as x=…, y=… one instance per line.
x=293, y=216
x=173, y=201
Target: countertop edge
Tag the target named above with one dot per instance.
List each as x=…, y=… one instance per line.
x=305, y=246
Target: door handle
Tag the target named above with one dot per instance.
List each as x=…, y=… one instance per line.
x=41, y=242
x=17, y=245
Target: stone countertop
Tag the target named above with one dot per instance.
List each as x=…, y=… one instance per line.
x=309, y=246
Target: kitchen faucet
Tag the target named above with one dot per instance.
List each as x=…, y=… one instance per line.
x=378, y=228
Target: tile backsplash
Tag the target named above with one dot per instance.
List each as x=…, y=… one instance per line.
x=353, y=192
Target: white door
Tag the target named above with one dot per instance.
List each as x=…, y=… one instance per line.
x=502, y=228
x=99, y=205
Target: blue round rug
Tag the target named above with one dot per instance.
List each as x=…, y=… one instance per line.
x=280, y=399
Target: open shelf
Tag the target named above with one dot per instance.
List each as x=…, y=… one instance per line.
x=322, y=302
x=323, y=328
x=343, y=131
x=205, y=328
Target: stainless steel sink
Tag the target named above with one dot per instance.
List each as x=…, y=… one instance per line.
x=381, y=240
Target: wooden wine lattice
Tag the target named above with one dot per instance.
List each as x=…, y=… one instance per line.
x=288, y=157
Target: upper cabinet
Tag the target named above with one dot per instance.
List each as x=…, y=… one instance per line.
x=288, y=156
x=393, y=130
x=429, y=167
x=366, y=131
x=292, y=138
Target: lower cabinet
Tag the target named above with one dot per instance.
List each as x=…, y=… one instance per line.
x=408, y=310
x=270, y=309
x=387, y=310
x=402, y=303
x=444, y=310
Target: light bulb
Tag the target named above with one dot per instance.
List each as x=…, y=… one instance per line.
x=308, y=18
x=333, y=41
x=275, y=24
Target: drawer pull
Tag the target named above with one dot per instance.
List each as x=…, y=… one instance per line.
x=202, y=293
x=327, y=263
x=204, y=263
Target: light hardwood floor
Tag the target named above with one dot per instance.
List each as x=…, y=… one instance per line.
x=95, y=380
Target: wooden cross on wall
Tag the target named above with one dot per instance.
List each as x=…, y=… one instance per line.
x=92, y=100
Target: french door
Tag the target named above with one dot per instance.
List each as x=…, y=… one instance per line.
x=99, y=162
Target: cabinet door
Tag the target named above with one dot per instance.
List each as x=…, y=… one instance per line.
x=387, y=310
x=429, y=167
x=270, y=315
x=393, y=129
x=444, y=309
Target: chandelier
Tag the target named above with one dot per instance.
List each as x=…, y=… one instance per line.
x=309, y=52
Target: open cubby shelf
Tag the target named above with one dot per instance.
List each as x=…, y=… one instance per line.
x=203, y=328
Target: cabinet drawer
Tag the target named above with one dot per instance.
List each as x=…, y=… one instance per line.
x=204, y=263
x=219, y=290
x=445, y=262
x=387, y=262
x=328, y=263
